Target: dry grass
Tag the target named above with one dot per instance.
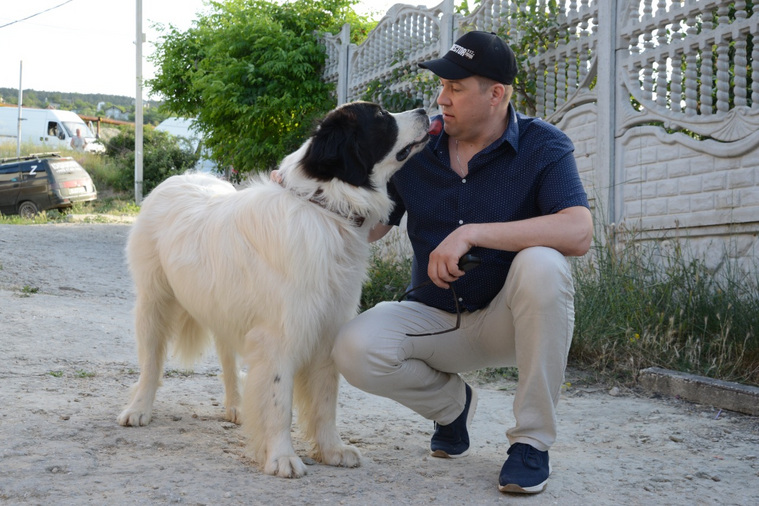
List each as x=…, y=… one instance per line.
x=639, y=305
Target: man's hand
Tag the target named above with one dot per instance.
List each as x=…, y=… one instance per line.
x=443, y=267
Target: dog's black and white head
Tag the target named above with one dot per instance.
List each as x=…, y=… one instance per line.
x=363, y=144
x=360, y=138
x=360, y=146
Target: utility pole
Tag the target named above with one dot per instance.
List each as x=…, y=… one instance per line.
x=20, y=96
x=138, y=130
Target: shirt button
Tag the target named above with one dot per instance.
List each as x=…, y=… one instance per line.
x=461, y=222
x=461, y=299
x=463, y=180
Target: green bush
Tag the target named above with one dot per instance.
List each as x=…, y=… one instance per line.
x=388, y=280
x=163, y=156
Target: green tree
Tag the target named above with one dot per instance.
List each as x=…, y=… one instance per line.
x=250, y=73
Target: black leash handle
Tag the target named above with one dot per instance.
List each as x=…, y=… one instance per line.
x=466, y=264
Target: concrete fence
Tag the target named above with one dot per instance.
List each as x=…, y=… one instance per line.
x=661, y=99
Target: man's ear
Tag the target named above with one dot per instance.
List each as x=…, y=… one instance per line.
x=498, y=93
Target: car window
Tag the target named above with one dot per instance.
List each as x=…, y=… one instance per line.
x=71, y=127
x=8, y=175
x=67, y=167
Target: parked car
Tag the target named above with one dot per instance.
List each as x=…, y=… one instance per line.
x=43, y=181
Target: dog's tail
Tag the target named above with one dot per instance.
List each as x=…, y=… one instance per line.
x=191, y=339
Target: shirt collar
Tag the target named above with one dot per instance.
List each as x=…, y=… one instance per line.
x=511, y=135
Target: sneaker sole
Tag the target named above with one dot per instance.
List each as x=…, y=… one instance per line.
x=442, y=454
x=513, y=488
x=516, y=489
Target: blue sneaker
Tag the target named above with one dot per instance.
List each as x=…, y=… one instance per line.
x=452, y=441
x=526, y=470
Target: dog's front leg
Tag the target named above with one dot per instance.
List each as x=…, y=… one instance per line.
x=316, y=389
x=267, y=413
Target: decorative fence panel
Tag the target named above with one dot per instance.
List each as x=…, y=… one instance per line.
x=660, y=97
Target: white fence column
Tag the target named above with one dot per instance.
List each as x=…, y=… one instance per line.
x=606, y=92
x=343, y=58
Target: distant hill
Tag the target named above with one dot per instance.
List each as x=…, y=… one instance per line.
x=33, y=98
x=82, y=103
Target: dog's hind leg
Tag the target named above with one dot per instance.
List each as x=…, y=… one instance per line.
x=230, y=373
x=152, y=328
x=316, y=389
x=267, y=406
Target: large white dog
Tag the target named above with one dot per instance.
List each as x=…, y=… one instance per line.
x=269, y=273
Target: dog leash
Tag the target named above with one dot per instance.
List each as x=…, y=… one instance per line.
x=466, y=264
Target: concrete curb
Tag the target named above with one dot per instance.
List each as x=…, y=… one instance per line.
x=720, y=394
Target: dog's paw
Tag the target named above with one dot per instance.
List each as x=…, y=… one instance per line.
x=288, y=466
x=134, y=417
x=341, y=455
x=234, y=415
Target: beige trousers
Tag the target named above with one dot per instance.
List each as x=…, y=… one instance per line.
x=528, y=325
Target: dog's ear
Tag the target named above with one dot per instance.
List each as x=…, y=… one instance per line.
x=336, y=152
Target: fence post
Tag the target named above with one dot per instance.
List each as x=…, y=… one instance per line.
x=607, y=47
x=344, y=68
x=447, y=28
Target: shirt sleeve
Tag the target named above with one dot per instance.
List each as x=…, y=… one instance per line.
x=561, y=187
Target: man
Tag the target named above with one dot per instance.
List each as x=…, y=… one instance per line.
x=78, y=142
x=503, y=187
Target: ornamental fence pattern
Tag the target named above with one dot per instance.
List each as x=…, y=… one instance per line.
x=660, y=97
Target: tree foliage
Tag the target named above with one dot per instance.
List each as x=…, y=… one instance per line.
x=250, y=73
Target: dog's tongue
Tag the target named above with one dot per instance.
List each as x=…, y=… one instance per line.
x=436, y=126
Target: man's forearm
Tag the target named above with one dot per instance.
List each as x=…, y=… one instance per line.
x=569, y=231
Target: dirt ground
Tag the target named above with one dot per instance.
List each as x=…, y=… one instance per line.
x=68, y=360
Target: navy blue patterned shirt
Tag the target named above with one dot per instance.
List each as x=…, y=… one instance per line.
x=529, y=171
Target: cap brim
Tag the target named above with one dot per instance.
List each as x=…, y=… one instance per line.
x=446, y=69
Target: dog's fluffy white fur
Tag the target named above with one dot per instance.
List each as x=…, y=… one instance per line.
x=269, y=274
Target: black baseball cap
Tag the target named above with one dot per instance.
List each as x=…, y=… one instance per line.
x=476, y=53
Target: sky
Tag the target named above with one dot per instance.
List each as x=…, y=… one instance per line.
x=87, y=46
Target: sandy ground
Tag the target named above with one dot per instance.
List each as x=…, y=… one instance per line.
x=68, y=360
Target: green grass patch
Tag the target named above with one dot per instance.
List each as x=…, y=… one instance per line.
x=28, y=291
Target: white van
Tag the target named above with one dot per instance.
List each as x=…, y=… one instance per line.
x=50, y=128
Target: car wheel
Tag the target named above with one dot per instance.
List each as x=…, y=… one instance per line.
x=28, y=209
